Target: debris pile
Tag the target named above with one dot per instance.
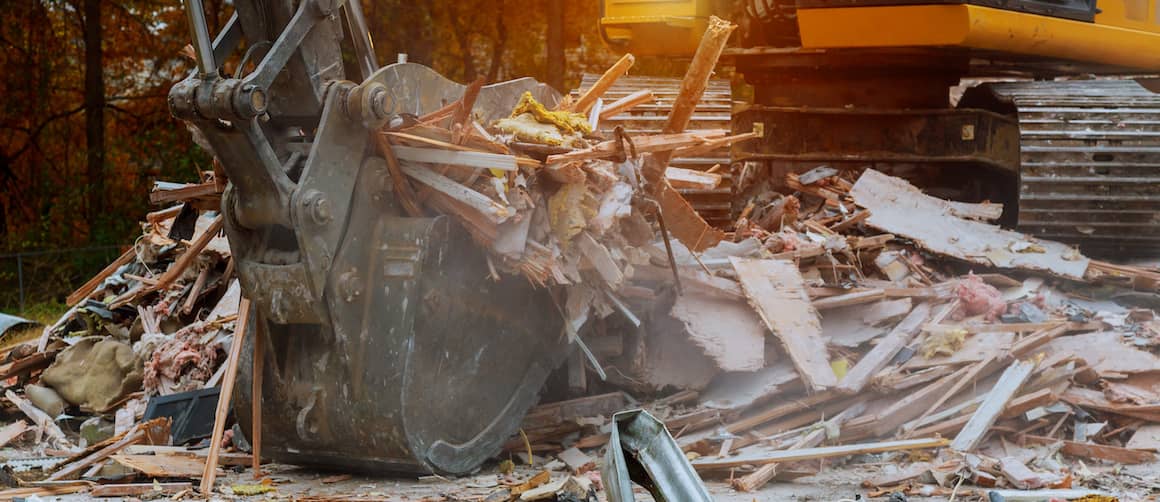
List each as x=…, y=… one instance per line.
x=900, y=324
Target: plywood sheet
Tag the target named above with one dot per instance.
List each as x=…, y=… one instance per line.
x=777, y=292
x=901, y=209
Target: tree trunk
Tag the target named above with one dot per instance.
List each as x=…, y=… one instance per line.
x=500, y=43
x=555, y=57
x=462, y=36
x=94, y=109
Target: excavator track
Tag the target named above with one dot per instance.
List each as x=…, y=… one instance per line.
x=713, y=112
x=1090, y=163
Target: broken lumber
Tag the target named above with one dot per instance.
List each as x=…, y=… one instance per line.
x=89, y=286
x=189, y=256
x=767, y=472
x=777, y=291
x=76, y=468
x=627, y=103
x=12, y=431
x=586, y=100
x=762, y=458
x=691, y=179
x=209, y=475
x=1096, y=451
x=700, y=70
x=902, y=209
x=878, y=357
x=40, y=418
x=472, y=159
x=846, y=300
x=1009, y=383
x=139, y=489
x=494, y=212
x=407, y=196
x=164, y=193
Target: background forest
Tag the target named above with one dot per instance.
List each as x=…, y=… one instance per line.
x=85, y=130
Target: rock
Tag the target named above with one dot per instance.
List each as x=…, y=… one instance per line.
x=95, y=373
x=46, y=399
x=96, y=429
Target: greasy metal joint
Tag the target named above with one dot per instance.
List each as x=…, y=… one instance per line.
x=249, y=101
x=197, y=98
x=318, y=207
x=369, y=103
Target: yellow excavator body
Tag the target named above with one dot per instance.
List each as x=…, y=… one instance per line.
x=1114, y=38
x=1118, y=32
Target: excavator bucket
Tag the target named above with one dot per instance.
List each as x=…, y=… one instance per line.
x=386, y=344
x=427, y=362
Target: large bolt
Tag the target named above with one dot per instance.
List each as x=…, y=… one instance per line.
x=317, y=207
x=320, y=211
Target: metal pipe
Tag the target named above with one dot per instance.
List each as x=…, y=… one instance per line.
x=199, y=32
x=363, y=45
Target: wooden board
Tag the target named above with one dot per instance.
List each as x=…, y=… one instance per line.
x=768, y=457
x=1009, y=384
x=873, y=362
x=777, y=291
x=1145, y=438
x=479, y=160
x=1106, y=352
x=163, y=465
x=902, y=209
x=138, y=489
x=680, y=177
x=1098, y=451
x=12, y=431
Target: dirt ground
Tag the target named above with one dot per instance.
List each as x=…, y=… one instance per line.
x=1129, y=483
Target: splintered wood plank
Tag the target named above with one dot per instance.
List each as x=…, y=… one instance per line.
x=493, y=211
x=1145, y=438
x=167, y=465
x=40, y=418
x=138, y=489
x=680, y=177
x=79, y=466
x=209, y=471
x=777, y=291
x=601, y=259
x=873, y=362
x=88, y=287
x=700, y=71
x=627, y=103
x=479, y=160
x=12, y=431
x=769, y=457
x=767, y=472
x=902, y=209
x=1009, y=383
x=189, y=256
x=1098, y=451
x=601, y=86
x=1016, y=407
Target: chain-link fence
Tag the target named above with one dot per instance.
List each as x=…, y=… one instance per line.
x=32, y=277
